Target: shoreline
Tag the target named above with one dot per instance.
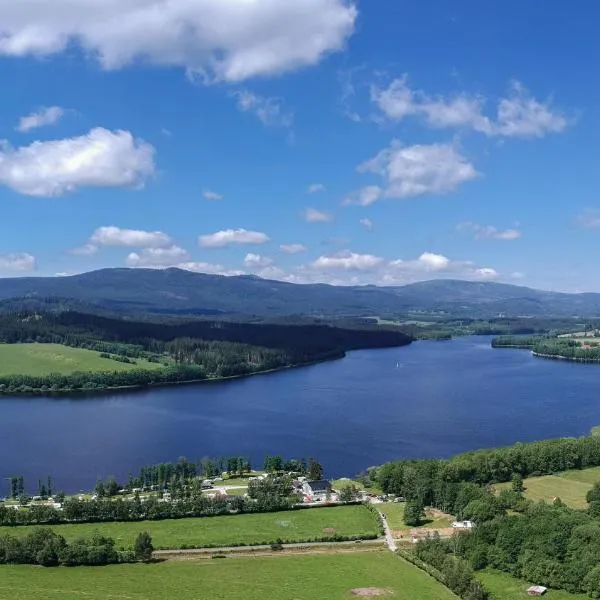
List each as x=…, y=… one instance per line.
x=78, y=393
x=590, y=361
x=75, y=392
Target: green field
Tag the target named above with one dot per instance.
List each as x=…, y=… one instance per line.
x=45, y=359
x=303, y=577
x=570, y=486
x=394, y=512
x=264, y=528
x=505, y=587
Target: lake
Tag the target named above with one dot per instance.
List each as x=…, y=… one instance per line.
x=429, y=399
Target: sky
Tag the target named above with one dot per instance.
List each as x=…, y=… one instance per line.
x=339, y=141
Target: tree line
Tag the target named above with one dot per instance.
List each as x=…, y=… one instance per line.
x=189, y=349
x=550, y=544
x=436, y=482
x=47, y=548
x=548, y=346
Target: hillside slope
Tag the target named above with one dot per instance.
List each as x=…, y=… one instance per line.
x=175, y=291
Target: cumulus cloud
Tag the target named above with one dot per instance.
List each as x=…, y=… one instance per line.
x=365, y=196
x=40, y=118
x=254, y=261
x=431, y=264
x=351, y=268
x=17, y=263
x=155, y=257
x=416, y=170
x=209, y=195
x=86, y=250
x=115, y=236
x=229, y=237
x=348, y=261
x=482, y=232
x=312, y=215
x=292, y=248
x=316, y=187
x=517, y=115
x=269, y=111
x=367, y=223
x=226, y=40
x=101, y=158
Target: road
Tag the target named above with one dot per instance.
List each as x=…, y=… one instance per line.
x=389, y=538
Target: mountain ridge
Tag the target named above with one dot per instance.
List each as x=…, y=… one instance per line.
x=178, y=291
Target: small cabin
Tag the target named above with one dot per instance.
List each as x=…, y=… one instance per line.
x=536, y=590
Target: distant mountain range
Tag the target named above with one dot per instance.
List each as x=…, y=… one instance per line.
x=173, y=291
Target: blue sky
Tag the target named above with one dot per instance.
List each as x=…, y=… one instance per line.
x=304, y=140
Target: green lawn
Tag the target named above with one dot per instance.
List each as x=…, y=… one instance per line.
x=44, y=359
x=302, y=577
x=394, y=511
x=264, y=528
x=505, y=587
x=570, y=486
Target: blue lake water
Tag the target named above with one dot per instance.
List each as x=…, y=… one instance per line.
x=430, y=399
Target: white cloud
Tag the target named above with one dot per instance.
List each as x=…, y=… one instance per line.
x=85, y=250
x=489, y=232
x=101, y=158
x=312, y=215
x=228, y=40
x=367, y=223
x=348, y=91
x=365, y=196
x=316, y=187
x=269, y=111
x=257, y=260
x=521, y=115
x=228, y=237
x=292, y=248
x=348, y=261
x=350, y=268
x=431, y=264
x=17, y=263
x=420, y=169
x=209, y=268
x=208, y=195
x=517, y=115
x=44, y=116
x=115, y=236
x=154, y=257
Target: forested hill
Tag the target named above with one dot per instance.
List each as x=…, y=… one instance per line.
x=300, y=343
x=173, y=291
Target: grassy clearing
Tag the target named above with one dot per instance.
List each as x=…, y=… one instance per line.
x=394, y=512
x=505, y=587
x=45, y=359
x=570, y=486
x=264, y=528
x=589, y=476
x=303, y=577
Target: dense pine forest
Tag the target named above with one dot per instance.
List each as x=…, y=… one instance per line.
x=187, y=349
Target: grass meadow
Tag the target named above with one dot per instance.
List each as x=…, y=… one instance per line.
x=46, y=359
x=570, y=486
x=229, y=530
x=504, y=587
x=291, y=577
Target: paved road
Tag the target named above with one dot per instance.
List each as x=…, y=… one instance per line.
x=389, y=538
